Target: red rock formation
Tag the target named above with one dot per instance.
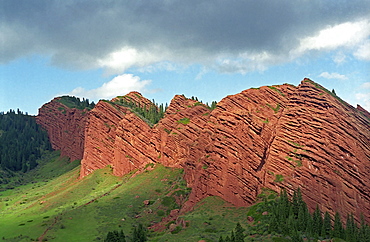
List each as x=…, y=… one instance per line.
x=103, y=143
x=286, y=137
x=275, y=137
x=65, y=127
x=118, y=137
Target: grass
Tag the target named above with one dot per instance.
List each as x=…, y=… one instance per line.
x=84, y=210
x=295, y=144
x=277, y=90
x=276, y=109
x=71, y=209
x=279, y=178
x=184, y=121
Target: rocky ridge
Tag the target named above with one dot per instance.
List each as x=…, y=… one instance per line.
x=270, y=137
x=65, y=127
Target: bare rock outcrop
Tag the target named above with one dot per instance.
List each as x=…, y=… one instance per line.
x=270, y=137
x=65, y=127
x=286, y=137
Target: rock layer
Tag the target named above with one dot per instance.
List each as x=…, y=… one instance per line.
x=65, y=127
x=270, y=137
x=286, y=137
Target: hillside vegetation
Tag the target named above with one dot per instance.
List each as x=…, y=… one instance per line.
x=53, y=205
x=22, y=143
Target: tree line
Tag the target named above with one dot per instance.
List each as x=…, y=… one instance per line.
x=151, y=113
x=139, y=235
x=291, y=217
x=75, y=102
x=211, y=107
x=22, y=142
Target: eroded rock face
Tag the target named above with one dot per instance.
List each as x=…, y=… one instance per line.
x=275, y=137
x=286, y=137
x=65, y=127
x=118, y=137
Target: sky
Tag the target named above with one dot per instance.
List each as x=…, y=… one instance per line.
x=209, y=49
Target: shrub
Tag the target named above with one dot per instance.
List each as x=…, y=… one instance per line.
x=279, y=178
x=160, y=213
x=184, y=121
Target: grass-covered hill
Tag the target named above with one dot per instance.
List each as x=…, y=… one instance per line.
x=53, y=205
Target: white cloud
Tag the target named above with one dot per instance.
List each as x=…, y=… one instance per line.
x=366, y=85
x=116, y=37
x=341, y=35
x=339, y=58
x=121, y=60
x=364, y=98
x=333, y=75
x=363, y=52
x=119, y=85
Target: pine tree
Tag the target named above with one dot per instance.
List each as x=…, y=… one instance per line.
x=303, y=217
x=309, y=226
x=239, y=233
x=338, y=228
x=296, y=237
x=364, y=231
x=295, y=203
x=232, y=236
x=351, y=229
x=317, y=221
x=326, y=227
x=139, y=234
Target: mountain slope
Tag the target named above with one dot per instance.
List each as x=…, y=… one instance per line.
x=275, y=137
x=64, y=118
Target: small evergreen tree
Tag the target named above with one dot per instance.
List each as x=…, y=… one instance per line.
x=115, y=236
x=326, y=226
x=140, y=234
x=239, y=233
x=338, y=228
x=351, y=229
x=317, y=221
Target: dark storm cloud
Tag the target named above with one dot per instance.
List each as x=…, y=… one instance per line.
x=77, y=33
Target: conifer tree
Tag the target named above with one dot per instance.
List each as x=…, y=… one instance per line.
x=326, y=226
x=317, y=221
x=239, y=233
x=232, y=236
x=139, y=234
x=351, y=229
x=364, y=230
x=338, y=228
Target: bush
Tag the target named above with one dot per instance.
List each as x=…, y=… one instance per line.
x=160, y=213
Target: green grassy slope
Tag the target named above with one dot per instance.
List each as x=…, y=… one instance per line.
x=56, y=206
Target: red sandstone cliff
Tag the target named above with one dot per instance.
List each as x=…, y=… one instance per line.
x=285, y=137
x=275, y=137
x=65, y=127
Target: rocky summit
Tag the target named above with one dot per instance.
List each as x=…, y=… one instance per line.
x=272, y=137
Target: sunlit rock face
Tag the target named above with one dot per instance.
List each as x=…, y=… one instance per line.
x=65, y=127
x=269, y=137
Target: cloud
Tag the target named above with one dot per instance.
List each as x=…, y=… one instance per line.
x=333, y=75
x=344, y=34
x=363, y=52
x=229, y=36
x=366, y=85
x=119, y=85
x=339, y=58
x=364, y=98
